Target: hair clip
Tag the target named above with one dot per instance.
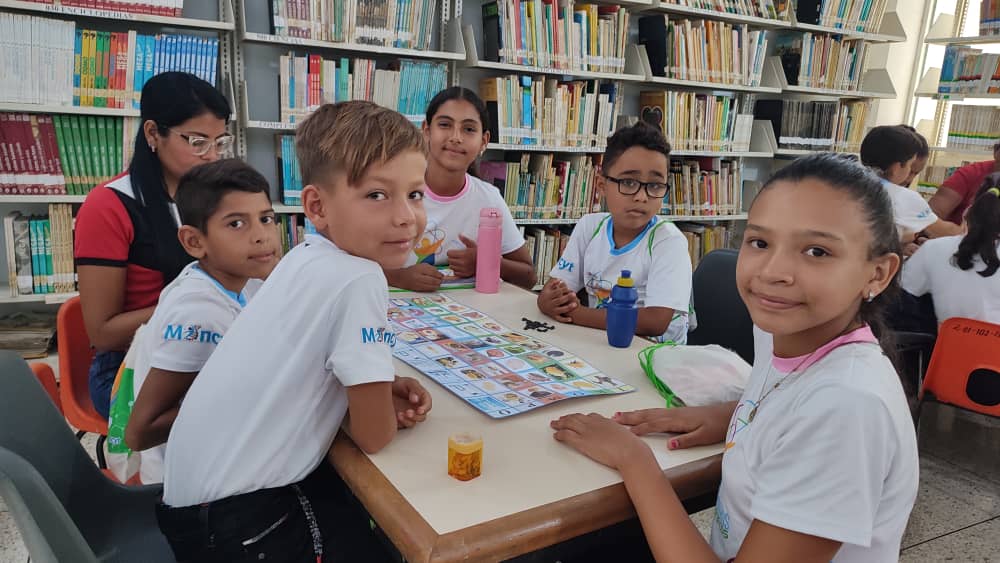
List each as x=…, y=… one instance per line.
x=994, y=191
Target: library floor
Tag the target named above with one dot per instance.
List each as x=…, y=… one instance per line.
x=956, y=518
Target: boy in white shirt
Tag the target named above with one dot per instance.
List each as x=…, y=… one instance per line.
x=245, y=476
x=228, y=225
x=633, y=180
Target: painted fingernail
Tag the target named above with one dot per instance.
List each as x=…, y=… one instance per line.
x=617, y=414
x=673, y=444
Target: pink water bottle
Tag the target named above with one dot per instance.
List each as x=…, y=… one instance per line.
x=488, y=250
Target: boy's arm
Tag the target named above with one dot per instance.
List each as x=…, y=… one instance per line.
x=653, y=321
x=372, y=423
x=419, y=277
x=517, y=268
x=156, y=408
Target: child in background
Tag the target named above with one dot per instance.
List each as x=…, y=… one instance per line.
x=891, y=151
x=960, y=272
x=821, y=457
x=457, y=131
x=246, y=476
x=228, y=225
x=633, y=181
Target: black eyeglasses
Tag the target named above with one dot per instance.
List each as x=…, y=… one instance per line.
x=628, y=186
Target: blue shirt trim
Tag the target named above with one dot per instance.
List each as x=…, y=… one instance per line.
x=237, y=297
x=635, y=242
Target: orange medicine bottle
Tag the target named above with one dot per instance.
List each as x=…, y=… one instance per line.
x=465, y=456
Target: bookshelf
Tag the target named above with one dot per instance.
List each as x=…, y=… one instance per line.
x=211, y=23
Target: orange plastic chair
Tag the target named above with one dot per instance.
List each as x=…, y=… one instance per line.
x=47, y=378
x=75, y=356
x=965, y=366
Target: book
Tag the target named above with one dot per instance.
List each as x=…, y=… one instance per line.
x=969, y=71
x=700, y=122
x=974, y=128
x=406, y=24
x=543, y=186
x=768, y=9
x=703, y=186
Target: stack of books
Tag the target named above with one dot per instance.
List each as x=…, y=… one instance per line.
x=969, y=71
x=526, y=110
x=546, y=246
x=705, y=186
x=822, y=61
x=769, y=9
x=703, y=50
x=700, y=122
x=814, y=126
x=543, y=186
x=563, y=34
x=854, y=15
x=308, y=81
x=40, y=252
x=703, y=239
x=974, y=128
x=62, y=154
x=404, y=24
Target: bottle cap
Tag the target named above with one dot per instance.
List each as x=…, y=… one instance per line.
x=625, y=280
x=489, y=212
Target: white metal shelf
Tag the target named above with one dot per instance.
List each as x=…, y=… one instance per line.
x=55, y=198
x=957, y=97
x=76, y=110
x=47, y=298
x=370, y=50
x=973, y=40
x=191, y=23
x=529, y=69
x=270, y=125
x=851, y=34
x=722, y=154
x=803, y=152
x=984, y=154
x=543, y=148
x=660, y=80
x=837, y=93
x=723, y=16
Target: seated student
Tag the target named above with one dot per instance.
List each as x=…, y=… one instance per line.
x=820, y=461
x=457, y=132
x=960, y=272
x=891, y=150
x=629, y=237
x=245, y=476
x=955, y=194
x=919, y=163
x=228, y=225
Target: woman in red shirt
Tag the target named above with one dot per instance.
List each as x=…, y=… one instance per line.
x=957, y=192
x=126, y=245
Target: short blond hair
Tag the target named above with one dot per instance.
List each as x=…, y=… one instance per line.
x=348, y=137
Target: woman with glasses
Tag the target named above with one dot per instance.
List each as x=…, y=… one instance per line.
x=126, y=244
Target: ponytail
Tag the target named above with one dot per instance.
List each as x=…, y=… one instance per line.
x=983, y=219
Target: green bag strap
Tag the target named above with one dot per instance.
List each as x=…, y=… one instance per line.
x=646, y=361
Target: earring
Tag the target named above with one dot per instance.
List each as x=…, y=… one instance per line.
x=871, y=296
x=152, y=147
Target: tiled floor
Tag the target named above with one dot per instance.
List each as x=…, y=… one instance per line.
x=956, y=518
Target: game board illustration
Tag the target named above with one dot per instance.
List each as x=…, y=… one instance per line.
x=493, y=368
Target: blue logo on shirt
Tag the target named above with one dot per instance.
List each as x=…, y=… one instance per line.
x=565, y=265
x=191, y=333
x=378, y=336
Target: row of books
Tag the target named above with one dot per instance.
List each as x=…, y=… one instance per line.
x=705, y=186
x=703, y=239
x=856, y=15
x=546, y=245
x=968, y=71
x=290, y=177
x=974, y=128
x=51, y=62
x=813, y=125
x=543, y=186
x=935, y=175
x=769, y=9
x=703, y=50
x=40, y=251
x=989, y=17
x=293, y=229
x=407, y=86
x=556, y=34
x=169, y=8
x=822, y=61
x=698, y=121
x=390, y=23
x=545, y=111
x=62, y=154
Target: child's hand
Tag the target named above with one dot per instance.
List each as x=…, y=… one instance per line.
x=557, y=300
x=697, y=426
x=463, y=262
x=411, y=401
x=601, y=439
x=419, y=277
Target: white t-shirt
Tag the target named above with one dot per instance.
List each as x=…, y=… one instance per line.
x=193, y=314
x=911, y=211
x=448, y=217
x=956, y=292
x=265, y=408
x=658, y=259
x=831, y=453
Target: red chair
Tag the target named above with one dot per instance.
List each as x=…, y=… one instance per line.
x=965, y=366
x=47, y=378
x=75, y=356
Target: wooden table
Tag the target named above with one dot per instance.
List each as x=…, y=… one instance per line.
x=533, y=492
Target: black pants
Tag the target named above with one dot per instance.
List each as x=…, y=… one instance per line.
x=272, y=525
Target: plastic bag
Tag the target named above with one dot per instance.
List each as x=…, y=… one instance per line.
x=121, y=462
x=695, y=375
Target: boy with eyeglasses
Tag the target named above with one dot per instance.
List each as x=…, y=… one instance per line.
x=633, y=181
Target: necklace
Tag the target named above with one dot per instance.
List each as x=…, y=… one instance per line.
x=753, y=412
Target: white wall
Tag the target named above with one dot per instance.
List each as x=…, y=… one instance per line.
x=901, y=60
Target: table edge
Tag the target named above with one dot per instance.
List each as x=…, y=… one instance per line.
x=502, y=538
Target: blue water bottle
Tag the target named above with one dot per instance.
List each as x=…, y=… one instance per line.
x=622, y=312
